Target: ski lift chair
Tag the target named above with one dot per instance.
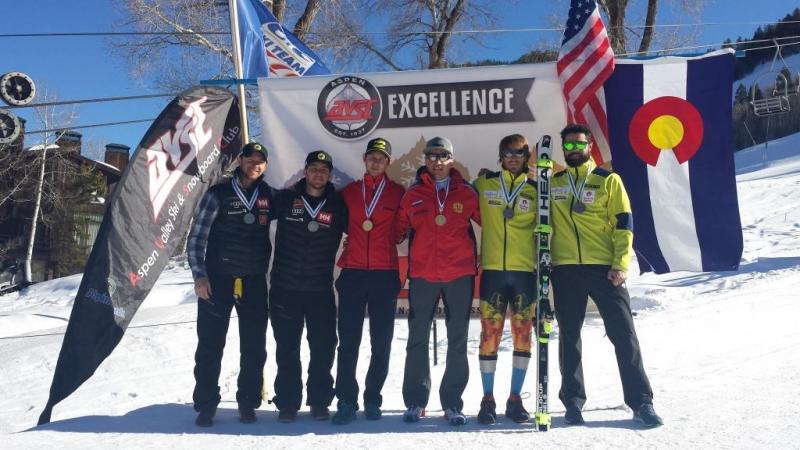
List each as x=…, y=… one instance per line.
x=776, y=100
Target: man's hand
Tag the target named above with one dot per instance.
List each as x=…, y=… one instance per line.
x=483, y=171
x=202, y=287
x=617, y=277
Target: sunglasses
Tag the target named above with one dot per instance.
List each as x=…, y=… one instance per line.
x=508, y=153
x=433, y=157
x=575, y=146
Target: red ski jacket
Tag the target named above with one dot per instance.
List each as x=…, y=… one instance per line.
x=439, y=252
x=377, y=248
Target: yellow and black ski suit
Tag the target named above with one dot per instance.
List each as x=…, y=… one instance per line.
x=508, y=260
x=585, y=246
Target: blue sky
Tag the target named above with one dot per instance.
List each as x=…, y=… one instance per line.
x=82, y=67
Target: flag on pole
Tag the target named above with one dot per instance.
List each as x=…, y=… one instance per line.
x=269, y=49
x=180, y=156
x=585, y=62
x=670, y=132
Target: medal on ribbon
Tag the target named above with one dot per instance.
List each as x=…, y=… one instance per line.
x=249, y=218
x=579, y=206
x=440, y=219
x=368, y=225
x=313, y=226
x=510, y=197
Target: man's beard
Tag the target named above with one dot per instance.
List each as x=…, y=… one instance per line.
x=577, y=161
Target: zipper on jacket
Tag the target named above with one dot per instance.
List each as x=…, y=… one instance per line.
x=574, y=225
x=505, y=224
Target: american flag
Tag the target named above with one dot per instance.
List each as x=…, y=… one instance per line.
x=585, y=62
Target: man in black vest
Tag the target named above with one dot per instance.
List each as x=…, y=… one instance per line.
x=311, y=218
x=229, y=251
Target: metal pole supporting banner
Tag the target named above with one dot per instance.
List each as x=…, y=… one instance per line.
x=237, y=64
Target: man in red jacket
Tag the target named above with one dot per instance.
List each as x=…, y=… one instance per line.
x=437, y=210
x=369, y=279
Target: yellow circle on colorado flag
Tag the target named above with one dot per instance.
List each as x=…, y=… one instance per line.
x=665, y=132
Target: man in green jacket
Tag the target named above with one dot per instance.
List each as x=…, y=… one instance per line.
x=592, y=243
x=508, y=217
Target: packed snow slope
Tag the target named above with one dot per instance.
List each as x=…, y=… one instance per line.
x=721, y=350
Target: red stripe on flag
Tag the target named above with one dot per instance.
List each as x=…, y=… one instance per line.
x=566, y=60
x=586, y=66
x=596, y=84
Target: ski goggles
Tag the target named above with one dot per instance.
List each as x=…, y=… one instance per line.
x=510, y=152
x=433, y=157
x=575, y=146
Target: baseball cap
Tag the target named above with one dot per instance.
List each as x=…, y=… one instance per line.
x=254, y=147
x=379, y=145
x=439, y=142
x=320, y=156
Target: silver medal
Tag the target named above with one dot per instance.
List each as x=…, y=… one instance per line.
x=249, y=218
x=579, y=207
x=508, y=213
x=313, y=226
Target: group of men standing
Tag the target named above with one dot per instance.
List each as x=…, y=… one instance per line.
x=229, y=251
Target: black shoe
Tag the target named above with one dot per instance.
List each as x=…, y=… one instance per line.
x=247, y=415
x=647, y=416
x=487, y=414
x=205, y=419
x=287, y=416
x=320, y=412
x=372, y=411
x=345, y=413
x=515, y=411
x=573, y=416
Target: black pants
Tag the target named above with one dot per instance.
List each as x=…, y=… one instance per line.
x=290, y=310
x=571, y=286
x=423, y=297
x=358, y=290
x=213, y=316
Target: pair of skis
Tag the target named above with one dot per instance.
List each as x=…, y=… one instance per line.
x=544, y=314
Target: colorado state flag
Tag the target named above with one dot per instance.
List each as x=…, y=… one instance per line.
x=670, y=131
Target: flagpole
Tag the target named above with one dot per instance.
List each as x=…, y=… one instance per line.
x=237, y=64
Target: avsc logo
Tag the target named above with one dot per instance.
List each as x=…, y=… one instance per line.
x=349, y=107
x=170, y=156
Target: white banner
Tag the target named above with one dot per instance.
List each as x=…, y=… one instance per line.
x=473, y=107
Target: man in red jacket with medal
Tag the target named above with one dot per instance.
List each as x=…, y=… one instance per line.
x=437, y=211
x=369, y=280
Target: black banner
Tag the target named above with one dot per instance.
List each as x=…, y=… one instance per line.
x=465, y=103
x=183, y=153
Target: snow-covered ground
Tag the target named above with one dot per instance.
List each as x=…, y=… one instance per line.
x=721, y=350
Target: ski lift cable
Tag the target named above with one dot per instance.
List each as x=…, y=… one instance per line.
x=107, y=124
x=733, y=44
x=91, y=100
x=111, y=33
x=473, y=31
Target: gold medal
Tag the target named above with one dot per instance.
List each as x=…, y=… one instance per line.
x=440, y=219
x=367, y=225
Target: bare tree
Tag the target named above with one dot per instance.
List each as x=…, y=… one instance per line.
x=624, y=17
x=54, y=120
x=419, y=31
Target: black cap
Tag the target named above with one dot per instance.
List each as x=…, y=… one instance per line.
x=320, y=156
x=439, y=142
x=379, y=145
x=254, y=147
